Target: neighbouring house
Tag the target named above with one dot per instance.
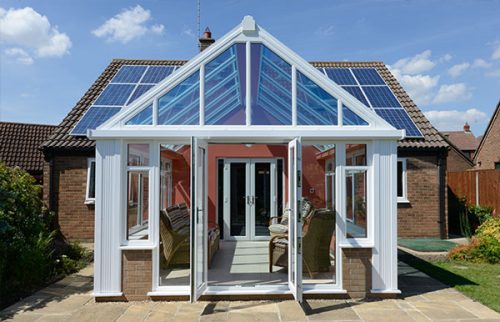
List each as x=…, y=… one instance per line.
x=191, y=162
x=488, y=151
x=20, y=146
x=463, y=146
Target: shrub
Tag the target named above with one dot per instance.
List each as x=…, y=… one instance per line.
x=25, y=240
x=484, y=247
x=472, y=216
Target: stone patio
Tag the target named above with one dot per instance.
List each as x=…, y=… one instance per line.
x=423, y=299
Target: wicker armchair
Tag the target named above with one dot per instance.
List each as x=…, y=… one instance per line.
x=317, y=233
x=281, y=228
x=174, y=234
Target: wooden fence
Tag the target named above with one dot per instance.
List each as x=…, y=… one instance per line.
x=479, y=187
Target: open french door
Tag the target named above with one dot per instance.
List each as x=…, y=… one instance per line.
x=295, y=218
x=199, y=217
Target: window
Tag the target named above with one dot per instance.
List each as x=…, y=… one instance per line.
x=497, y=165
x=356, y=185
x=165, y=183
x=402, y=186
x=138, y=196
x=90, y=194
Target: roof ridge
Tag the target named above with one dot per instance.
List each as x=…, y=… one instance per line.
x=26, y=123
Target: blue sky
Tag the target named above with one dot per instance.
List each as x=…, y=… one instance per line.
x=445, y=53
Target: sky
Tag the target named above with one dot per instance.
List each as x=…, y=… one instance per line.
x=446, y=54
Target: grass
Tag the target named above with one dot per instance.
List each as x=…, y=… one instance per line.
x=478, y=281
x=426, y=244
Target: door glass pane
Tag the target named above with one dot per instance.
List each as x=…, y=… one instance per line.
x=137, y=205
x=292, y=213
x=175, y=215
x=262, y=198
x=201, y=236
x=356, y=203
x=238, y=198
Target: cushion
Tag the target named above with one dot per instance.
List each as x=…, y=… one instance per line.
x=278, y=228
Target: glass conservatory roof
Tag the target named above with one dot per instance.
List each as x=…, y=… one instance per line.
x=225, y=94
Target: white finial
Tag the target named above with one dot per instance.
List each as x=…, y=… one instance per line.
x=248, y=24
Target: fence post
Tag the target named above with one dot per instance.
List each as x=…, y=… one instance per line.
x=477, y=188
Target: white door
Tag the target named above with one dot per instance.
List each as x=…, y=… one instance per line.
x=250, y=198
x=199, y=217
x=295, y=218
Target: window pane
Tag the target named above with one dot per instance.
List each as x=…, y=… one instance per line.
x=356, y=211
x=355, y=154
x=225, y=88
x=314, y=105
x=351, y=118
x=144, y=117
x=271, y=88
x=138, y=154
x=92, y=181
x=400, y=179
x=181, y=105
x=138, y=205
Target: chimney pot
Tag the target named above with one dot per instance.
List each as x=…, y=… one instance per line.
x=206, y=39
x=466, y=127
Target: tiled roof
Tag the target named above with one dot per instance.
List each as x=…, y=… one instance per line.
x=20, y=143
x=61, y=139
x=465, y=141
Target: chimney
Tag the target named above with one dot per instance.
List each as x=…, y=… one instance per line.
x=206, y=40
x=466, y=127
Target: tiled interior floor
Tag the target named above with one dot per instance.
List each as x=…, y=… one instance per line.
x=244, y=263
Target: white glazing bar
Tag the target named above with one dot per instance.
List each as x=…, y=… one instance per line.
x=248, y=97
x=294, y=96
x=155, y=111
x=202, y=94
x=340, y=112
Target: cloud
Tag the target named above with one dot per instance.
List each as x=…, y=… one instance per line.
x=453, y=119
x=445, y=58
x=32, y=35
x=495, y=73
x=128, y=25
x=480, y=63
x=416, y=64
x=325, y=31
x=452, y=93
x=186, y=30
x=20, y=55
x=419, y=87
x=458, y=69
x=496, y=52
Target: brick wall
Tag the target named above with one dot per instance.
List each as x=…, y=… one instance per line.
x=75, y=218
x=457, y=162
x=136, y=274
x=489, y=151
x=421, y=216
x=357, y=271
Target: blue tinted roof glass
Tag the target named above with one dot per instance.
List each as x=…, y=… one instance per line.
x=181, y=105
x=314, y=105
x=144, y=117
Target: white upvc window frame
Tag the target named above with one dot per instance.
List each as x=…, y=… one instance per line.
x=341, y=170
x=404, y=181
x=151, y=170
x=89, y=200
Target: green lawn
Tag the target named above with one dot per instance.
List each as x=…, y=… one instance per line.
x=480, y=282
x=426, y=244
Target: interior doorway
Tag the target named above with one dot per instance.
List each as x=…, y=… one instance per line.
x=252, y=197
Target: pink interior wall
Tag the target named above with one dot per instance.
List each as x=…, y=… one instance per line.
x=313, y=171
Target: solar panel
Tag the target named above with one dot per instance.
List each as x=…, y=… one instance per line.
x=381, y=96
x=356, y=92
x=115, y=95
x=367, y=76
x=129, y=74
x=95, y=116
x=341, y=76
x=400, y=120
x=141, y=89
x=156, y=74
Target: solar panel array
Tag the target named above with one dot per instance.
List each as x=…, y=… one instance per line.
x=129, y=83
x=369, y=88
